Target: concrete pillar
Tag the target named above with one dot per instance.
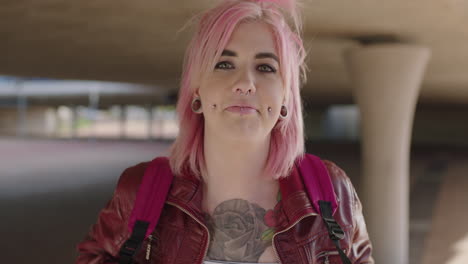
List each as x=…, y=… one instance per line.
x=51, y=122
x=74, y=121
x=22, y=109
x=93, y=104
x=123, y=121
x=150, y=109
x=63, y=117
x=9, y=124
x=386, y=80
x=34, y=121
x=37, y=125
x=160, y=122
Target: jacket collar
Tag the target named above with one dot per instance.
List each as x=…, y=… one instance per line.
x=187, y=193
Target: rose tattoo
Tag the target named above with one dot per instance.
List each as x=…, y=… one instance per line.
x=236, y=229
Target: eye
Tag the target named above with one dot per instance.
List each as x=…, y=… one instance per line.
x=266, y=68
x=226, y=65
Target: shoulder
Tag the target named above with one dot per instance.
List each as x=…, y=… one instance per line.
x=342, y=186
x=131, y=177
x=340, y=179
x=128, y=183
x=337, y=174
x=344, y=190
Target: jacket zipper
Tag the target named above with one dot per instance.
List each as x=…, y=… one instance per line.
x=326, y=254
x=286, y=229
x=206, y=228
x=194, y=218
x=148, y=247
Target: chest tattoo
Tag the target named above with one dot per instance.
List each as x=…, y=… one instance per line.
x=240, y=231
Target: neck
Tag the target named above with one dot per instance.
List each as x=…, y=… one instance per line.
x=235, y=170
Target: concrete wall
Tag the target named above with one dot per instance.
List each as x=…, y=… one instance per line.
x=432, y=126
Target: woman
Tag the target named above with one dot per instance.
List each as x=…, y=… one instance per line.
x=241, y=131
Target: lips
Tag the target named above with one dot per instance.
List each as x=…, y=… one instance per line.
x=244, y=110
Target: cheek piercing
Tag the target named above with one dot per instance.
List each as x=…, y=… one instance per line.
x=213, y=106
x=269, y=109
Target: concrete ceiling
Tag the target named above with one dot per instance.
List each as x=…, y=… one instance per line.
x=137, y=41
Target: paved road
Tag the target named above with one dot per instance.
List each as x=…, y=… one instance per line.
x=52, y=191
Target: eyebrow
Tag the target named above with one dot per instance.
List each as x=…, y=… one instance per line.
x=261, y=55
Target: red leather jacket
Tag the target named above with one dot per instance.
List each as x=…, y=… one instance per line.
x=181, y=236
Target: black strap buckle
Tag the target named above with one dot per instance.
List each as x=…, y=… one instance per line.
x=129, y=248
x=334, y=229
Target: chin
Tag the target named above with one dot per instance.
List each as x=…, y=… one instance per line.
x=241, y=129
x=245, y=133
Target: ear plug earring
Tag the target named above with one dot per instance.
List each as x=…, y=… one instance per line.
x=284, y=112
x=196, y=105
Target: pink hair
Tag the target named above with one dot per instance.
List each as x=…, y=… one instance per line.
x=212, y=35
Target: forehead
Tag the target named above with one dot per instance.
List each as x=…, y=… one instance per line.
x=252, y=37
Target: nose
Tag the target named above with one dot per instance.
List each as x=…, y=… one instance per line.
x=245, y=85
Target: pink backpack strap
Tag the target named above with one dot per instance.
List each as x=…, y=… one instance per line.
x=148, y=206
x=319, y=188
x=317, y=182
